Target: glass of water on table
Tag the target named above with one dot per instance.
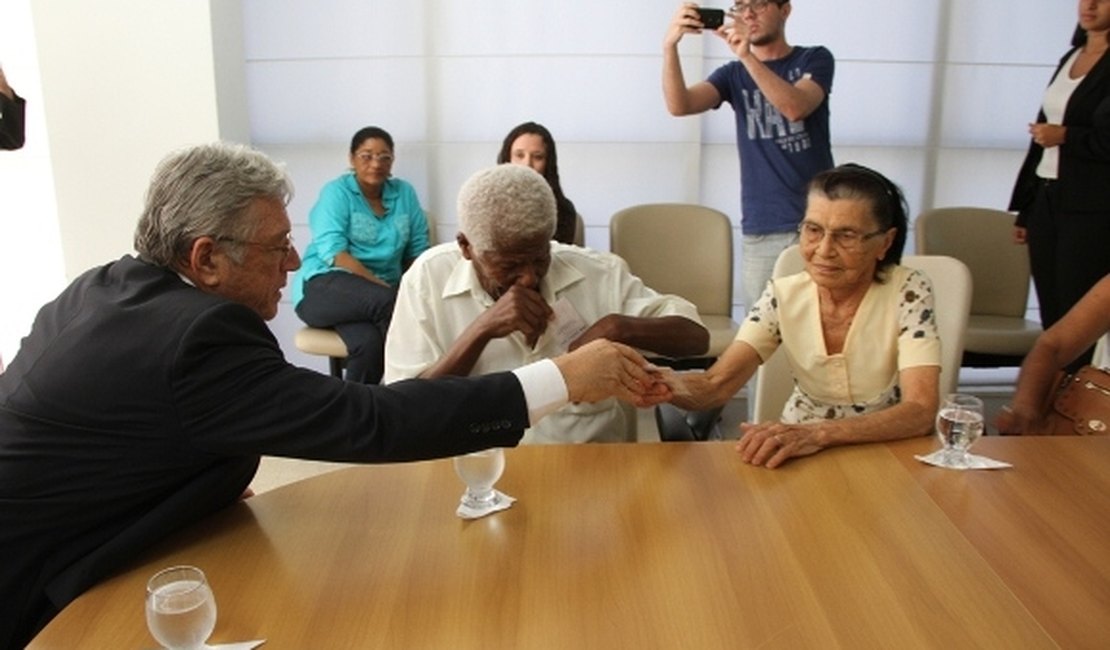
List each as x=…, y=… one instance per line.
x=480, y=470
x=959, y=425
x=180, y=608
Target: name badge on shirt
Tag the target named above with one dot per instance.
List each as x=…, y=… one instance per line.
x=566, y=325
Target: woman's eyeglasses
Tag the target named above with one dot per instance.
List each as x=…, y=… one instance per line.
x=366, y=157
x=845, y=239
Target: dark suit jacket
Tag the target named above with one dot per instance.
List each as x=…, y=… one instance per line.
x=139, y=404
x=12, y=115
x=1085, y=154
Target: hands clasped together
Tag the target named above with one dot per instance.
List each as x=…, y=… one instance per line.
x=602, y=369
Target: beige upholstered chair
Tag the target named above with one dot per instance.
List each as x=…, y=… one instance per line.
x=579, y=230
x=998, y=334
x=952, y=296
x=326, y=342
x=686, y=250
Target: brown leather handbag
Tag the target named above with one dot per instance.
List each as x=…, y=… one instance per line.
x=1082, y=404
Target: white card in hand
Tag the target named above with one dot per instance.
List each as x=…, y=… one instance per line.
x=566, y=325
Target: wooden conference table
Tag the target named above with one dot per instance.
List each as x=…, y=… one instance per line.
x=652, y=546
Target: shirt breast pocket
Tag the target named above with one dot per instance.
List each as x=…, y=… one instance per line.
x=365, y=229
x=404, y=228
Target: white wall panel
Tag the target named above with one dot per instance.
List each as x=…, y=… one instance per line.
x=327, y=101
x=1008, y=32
x=454, y=163
x=978, y=177
x=570, y=27
x=576, y=97
x=719, y=182
x=972, y=113
x=881, y=103
x=333, y=29
x=867, y=30
x=607, y=178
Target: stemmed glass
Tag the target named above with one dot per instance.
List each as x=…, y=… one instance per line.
x=959, y=425
x=180, y=608
x=480, y=470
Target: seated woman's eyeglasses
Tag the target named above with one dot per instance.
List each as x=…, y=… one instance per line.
x=843, y=238
x=366, y=157
x=756, y=6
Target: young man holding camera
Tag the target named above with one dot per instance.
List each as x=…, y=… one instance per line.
x=780, y=95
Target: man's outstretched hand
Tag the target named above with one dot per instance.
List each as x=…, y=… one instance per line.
x=602, y=369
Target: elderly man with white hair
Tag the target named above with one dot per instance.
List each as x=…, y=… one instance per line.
x=504, y=294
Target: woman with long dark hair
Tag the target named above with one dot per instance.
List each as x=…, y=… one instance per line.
x=531, y=144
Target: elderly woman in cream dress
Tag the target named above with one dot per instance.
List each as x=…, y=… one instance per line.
x=857, y=329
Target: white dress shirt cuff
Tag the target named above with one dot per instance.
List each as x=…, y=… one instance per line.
x=545, y=390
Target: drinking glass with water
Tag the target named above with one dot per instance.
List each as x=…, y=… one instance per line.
x=480, y=470
x=180, y=608
x=959, y=425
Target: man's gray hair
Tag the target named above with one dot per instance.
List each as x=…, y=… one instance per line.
x=503, y=204
x=205, y=191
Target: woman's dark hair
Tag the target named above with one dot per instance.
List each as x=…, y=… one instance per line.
x=1079, y=38
x=888, y=205
x=567, y=216
x=368, y=133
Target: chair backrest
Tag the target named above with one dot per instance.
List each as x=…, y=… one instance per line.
x=579, y=230
x=430, y=218
x=678, y=248
x=982, y=239
x=952, y=300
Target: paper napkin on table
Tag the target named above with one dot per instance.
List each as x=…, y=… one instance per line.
x=502, y=502
x=939, y=459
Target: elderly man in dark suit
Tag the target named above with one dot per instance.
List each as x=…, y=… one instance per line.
x=146, y=391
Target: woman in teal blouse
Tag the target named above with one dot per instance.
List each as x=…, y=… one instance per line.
x=367, y=227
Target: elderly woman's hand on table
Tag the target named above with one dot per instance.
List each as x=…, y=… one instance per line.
x=769, y=444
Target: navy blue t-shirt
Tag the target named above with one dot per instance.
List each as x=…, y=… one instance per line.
x=778, y=158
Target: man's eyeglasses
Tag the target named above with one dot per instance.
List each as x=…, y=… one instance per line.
x=286, y=248
x=365, y=157
x=757, y=6
x=845, y=239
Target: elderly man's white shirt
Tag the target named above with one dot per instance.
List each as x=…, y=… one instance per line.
x=440, y=296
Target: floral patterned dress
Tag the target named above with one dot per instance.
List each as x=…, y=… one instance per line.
x=893, y=329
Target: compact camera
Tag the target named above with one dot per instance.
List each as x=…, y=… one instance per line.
x=711, y=18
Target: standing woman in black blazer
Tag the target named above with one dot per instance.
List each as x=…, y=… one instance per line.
x=1062, y=193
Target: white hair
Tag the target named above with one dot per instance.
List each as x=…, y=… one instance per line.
x=506, y=203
